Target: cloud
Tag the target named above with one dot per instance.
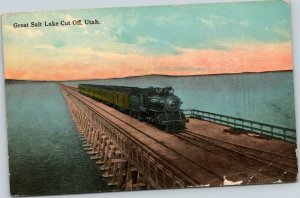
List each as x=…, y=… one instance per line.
x=163, y=20
x=69, y=18
x=33, y=33
x=244, y=23
x=66, y=65
x=111, y=28
x=222, y=20
x=278, y=30
x=146, y=39
x=286, y=1
x=27, y=32
x=60, y=29
x=45, y=46
x=207, y=22
x=9, y=28
x=133, y=21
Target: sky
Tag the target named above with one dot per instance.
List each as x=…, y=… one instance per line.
x=196, y=39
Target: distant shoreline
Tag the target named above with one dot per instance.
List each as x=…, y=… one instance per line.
x=149, y=75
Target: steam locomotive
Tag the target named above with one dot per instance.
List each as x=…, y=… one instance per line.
x=155, y=105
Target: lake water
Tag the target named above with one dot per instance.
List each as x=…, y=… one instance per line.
x=263, y=97
x=45, y=152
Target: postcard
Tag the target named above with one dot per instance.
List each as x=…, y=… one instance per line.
x=145, y=98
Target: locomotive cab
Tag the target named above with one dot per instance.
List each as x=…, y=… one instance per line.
x=164, y=91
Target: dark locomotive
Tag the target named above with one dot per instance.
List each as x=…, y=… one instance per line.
x=155, y=105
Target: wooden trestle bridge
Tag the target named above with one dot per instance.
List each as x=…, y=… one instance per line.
x=136, y=155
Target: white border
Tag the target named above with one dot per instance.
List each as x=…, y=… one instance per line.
x=258, y=191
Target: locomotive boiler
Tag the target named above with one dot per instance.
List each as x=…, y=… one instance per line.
x=156, y=105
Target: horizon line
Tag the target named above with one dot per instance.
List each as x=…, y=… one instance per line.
x=166, y=75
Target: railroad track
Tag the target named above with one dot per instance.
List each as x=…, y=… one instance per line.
x=285, y=171
x=286, y=160
x=257, y=165
x=192, y=183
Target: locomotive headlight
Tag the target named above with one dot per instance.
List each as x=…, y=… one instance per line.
x=172, y=103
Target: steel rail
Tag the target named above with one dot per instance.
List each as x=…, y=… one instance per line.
x=238, y=157
x=194, y=182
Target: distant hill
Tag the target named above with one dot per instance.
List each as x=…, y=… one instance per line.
x=149, y=75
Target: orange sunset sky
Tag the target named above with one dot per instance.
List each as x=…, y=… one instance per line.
x=170, y=40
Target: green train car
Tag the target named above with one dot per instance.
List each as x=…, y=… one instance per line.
x=108, y=94
x=153, y=104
